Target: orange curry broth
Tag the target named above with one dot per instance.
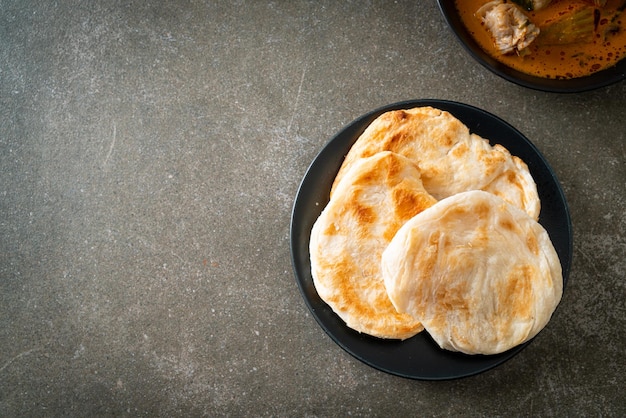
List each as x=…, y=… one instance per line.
x=555, y=61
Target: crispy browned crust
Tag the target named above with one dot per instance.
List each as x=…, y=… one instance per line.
x=374, y=199
x=450, y=158
x=480, y=274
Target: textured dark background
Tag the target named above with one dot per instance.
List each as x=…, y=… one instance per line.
x=150, y=153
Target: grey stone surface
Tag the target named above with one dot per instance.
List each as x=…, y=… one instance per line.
x=150, y=153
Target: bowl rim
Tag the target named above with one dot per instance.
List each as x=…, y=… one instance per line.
x=594, y=81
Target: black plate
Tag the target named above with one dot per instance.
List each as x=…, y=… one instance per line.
x=575, y=85
x=418, y=357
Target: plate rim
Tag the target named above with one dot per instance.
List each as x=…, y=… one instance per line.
x=360, y=123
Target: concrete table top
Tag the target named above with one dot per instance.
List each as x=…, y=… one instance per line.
x=150, y=154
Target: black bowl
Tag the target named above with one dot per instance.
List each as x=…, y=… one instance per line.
x=575, y=85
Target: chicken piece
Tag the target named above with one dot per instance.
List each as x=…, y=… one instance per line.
x=508, y=25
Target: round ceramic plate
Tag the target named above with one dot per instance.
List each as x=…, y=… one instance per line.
x=418, y=357
x=575, y=85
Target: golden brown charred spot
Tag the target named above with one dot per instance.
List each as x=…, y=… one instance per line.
x=345, y=298
x=331, y=229
x=339, y=268
x=507, y=225
x=381, y=303
x=482, y=210
x=480, y=238
x=456, y=212
x=460, y=151
x=452, y=298
x=400, y=115
x=511, y=177
x=391, y=231
x=393, y=167
x=429, y=256
x=531, y=242
x=364, y=215
x=369, y=177
x=370, y=152
x=353, y=303
x=343, y=274
x=432, y=174
x=448, y=139
x=514, y=294
x=433, y=239
x=396, y=141
x=377, y=315
x=492, y=160
x=407, y=203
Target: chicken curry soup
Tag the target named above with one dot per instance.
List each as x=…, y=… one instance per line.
x=566, y=38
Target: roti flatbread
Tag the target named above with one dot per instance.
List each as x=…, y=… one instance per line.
x=374, y=199
x=450, y=158
x=478, y=273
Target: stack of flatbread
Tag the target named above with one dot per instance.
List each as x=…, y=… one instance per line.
x=430, y=227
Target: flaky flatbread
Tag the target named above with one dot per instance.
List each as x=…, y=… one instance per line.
x=450, y=158
x=374, y=199
x=480, y=274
